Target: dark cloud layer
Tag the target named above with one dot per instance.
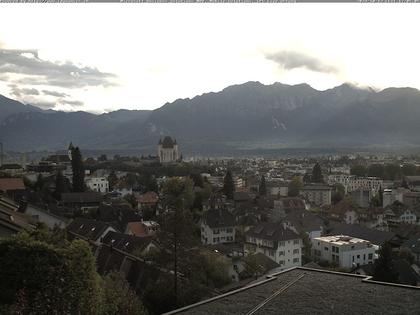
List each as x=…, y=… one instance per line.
x=36, y=71
x=20, y=92
x=72, y=103
x=291, y=60
x=54, y=93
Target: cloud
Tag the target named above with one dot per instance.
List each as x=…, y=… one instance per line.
x=54, y=93
x=43, y=105
x=291, y=60
x=19, y=92
x=72, y=103
x=36, y=71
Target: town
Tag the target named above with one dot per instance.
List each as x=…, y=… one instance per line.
x=171, y=233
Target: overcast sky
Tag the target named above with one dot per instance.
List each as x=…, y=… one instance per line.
x=103, y=57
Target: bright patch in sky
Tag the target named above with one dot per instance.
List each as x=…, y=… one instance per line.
x=103, y=57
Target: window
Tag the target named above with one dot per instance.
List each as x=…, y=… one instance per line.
x=281, y=253
x=281, y=262
x=282, y=243
x=229, y=230
x=295, y=260
x=370, y=256
x=296, y=242
x=358, y=256
x=216, y=231
x=296, y=251
x=326, y=248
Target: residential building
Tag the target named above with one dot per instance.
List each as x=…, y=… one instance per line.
x=276, y=241
x=83, y=201
x=411, y=198
x=168, y=150
x=89, y=230
x=344, y=251
x=129, y=243
x=352, y=182
x=142, y=228
x=413, y=182
x=389, y=196
x=13, y=187
x=283, y=206
x=362, y=197
x=49, y=219
x=217, y=226
x=303, y=221
x=317, y=195
x=11, y=220
x=99, y=184
x=147, y=200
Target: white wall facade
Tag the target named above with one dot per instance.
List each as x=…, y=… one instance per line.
x=212, y=236
x=346, y=254
x=287, y=253
x=99, y=184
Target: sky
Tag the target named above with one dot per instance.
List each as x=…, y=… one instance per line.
x=104, y=57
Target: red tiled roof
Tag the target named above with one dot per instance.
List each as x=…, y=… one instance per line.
x=137, y=228
x=149, y=197
x=11, y=184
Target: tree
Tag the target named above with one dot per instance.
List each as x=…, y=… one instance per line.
x=112, y=180
x=317, y=174
x=177, y=228
x=78, y=170
x=358, y=170
x=131, y=199
x=307, y=248
x=119, y=298
x=228, y=185
x=40, y=278
x=383, y=267
x=409, y=170
x=61, y=185
x=197, y=179
x=294, y=187
x=263, y=187
x=376, y=170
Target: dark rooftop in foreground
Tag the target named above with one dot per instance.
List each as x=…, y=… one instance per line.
x=309, y=291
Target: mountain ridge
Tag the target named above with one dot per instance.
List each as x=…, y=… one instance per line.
x=249, y=115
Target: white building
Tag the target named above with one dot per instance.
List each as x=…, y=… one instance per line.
x=352, y=182
x=318, y=195
x=168, y=150
x=217, y=226
x=99, y=184
x=277, y=242
x=345, y=251
x=389, y=196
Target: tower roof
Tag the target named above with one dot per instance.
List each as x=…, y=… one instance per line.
x=167, y=142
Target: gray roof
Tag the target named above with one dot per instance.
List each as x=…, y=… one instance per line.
x=87, y=228
x=81, y=197
x=355, y=230
x=215, y=218
x=310, y=291
x=272, y=231
x=304, y=221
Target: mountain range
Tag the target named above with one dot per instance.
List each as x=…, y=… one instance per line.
x=249, y=116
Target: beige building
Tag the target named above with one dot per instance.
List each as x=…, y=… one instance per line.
x=168, y=150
